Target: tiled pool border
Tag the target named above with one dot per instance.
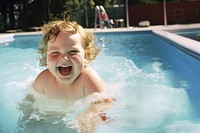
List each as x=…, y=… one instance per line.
x=186, y=45
x=183, y=30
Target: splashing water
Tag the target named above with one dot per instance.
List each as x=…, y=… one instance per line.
x=148, y=101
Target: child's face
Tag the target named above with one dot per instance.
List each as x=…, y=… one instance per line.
x=65, y=56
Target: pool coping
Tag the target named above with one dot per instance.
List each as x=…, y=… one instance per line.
x=180, y=40
x=187, y=45
x=7, y=38
x=156, y=27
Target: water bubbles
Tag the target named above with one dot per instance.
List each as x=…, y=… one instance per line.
x=31, y=68
x=102, y=42
x=5, y=44
x=183, y=126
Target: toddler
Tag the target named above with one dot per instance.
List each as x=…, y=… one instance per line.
x=66, y=50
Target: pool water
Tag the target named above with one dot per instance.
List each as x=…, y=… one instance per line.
x=192, y=34
x=156, y=87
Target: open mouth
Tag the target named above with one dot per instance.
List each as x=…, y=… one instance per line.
x=65, y=70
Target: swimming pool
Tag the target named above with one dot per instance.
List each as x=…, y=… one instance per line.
x=156, y=85
x=191, y=33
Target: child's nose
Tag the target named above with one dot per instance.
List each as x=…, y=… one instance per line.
x=65, y=58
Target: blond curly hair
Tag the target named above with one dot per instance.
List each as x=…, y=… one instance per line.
x=52, y=29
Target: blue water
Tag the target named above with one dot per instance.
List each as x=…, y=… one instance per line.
x=193, y=34
x=156, y=87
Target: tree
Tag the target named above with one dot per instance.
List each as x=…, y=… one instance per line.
x=11, y=8
x=7, y=7
x=57, y=7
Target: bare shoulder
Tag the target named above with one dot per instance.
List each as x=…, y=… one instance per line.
x=93, y=81
x=91, y=74
x=41, y=80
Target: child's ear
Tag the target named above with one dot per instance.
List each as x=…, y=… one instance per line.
x=85, y=61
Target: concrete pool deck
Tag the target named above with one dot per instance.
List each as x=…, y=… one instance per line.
x=159, y=30
x=157, y=27
x=187, y=45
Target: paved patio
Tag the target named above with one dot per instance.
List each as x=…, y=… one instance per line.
x=158, y=27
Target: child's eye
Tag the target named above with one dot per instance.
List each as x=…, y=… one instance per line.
x=54, y=53
x=73, y=52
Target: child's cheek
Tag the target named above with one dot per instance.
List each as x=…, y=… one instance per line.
x=51, y=58
x=76, y=57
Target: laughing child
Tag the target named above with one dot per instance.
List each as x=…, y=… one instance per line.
x=66, y=50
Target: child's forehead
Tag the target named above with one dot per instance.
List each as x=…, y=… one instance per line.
x=65, y=37
x=69, y=35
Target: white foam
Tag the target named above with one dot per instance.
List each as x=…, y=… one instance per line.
x=23, y=84
x=30, y=67
x=144, y=99
x=152, y=105
x=181, y=127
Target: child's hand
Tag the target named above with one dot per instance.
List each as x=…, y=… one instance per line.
x=103, y=104
x=106, y=100
x=95, y=115
x=87, y=125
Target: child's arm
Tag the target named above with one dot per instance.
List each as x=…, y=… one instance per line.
x=95, y=115
x=88, y=120
x=40, y=81
x=93, y=82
